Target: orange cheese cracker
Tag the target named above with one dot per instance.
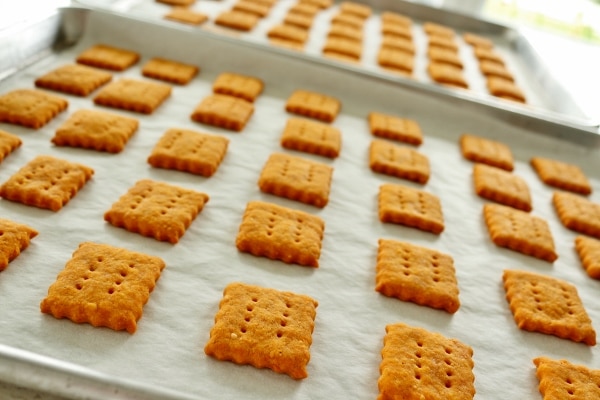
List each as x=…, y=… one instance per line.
x=417, y=274
x=14, y=238
x=156, y=209
x=482, y=54
x=505, y=88
x=170, y=71
x=396, y=30
x=133, y=95
x=425, y=365
x=298, y=20
x=444, y=56
x=186, y=16
x=410, y=207
x=356, y=9
x=559, y=379
x=395, y=18
x=224, y=111
x=389, y=57
x=434, y=29
x=544, y=304
x=395, y=128
x=180, y=3
x=8, y=144
x=250, y=7
x=588, y=250
x=398, y=43
x=265, y=328
x=280, y=233
x=322, y=4
x=490, y=68
x=402, y=162
x=312, y=137
x=486, y=151
x=442, y=42
x=30, y=108
x=447, y=74
x=344, y=46
x=236, y=85
x=309, y=10
x=577, y=213
x=561, y=175
x=108, y=57
x=502, y=187
x=237, y=20
x=288, y=32
x=477, y=40
x=74, y=79
x=313, y=105
x=345, y=32
x=46, y=182
x=103, y=286
x=349, y=20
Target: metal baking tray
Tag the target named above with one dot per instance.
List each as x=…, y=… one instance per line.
x=164, y=358
x=548, y=100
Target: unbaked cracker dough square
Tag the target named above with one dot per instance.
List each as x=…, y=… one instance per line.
x=313, y=105
x=561, y=175
x=156, y=209
x=501, y=186
x=103, y=286
x=224, y=111
x=170, y=71
x=265, y=328
x=133, y=95
x=186, y=16
x=486, y=151
x=108, y=57
x=189, y=151
x=14, y=238
x=395, y=128
x=74, y=79
x=402, y=162
x=280, y=233
x=577, y=213
x=559, y=379
x=312, y=137
x=8, y=144
x=30, y=108
x=242, y=86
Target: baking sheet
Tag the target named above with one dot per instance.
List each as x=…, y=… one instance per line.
x=166, y=353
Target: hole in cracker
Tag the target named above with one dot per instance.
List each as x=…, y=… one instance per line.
x=131, y=265
x=448, y=350
x=571, y=392
x=406, y=273
x=249, y=308
x=418, y=354
x=243, y=329
x=448, y=384
x=247, y=319
x=78, y=286
x=447, y=361
x=417, y=376
x=448, y=373
x=111, y=291
x=420, y=344
x=283, y=323
x=100, y=259
x=569, y=381
x=285, y=314
x=254, y=299
x=123, y=274
x=118, y=283
x=418, y=364
x=279, y=334
x=436, y=279
x=288, y=305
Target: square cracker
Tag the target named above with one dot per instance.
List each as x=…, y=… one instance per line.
x=133, y=95
x=410, y=207
x=502, y=187
x=477, y=40
x=170, y=71
x=186, y=16
x=505, y=88
x=395, y=128
x=103, y=286
x=577, y=213
x=14, y=238
x=322, y=4
x=108, y=57
x=288, y=32
x=390, y=17
x=349, y=20
x=433, y=29
x=396, y=30
x=236, y=85
x=561, y=175
x=396, y=59
x=588, y=250
x=304, y=9
x=238, y=20
x=425, y=364
x=98, y=130
x=223, y=111
x=156, y=209
x=402, y=162
x=397, y=43
x=30, y=108
x=46, y=182
x=189, y=151
x=417, y=274
x=297, y=179
x=74, y=79
x=344, y=46
x=442, y=42
x=250, y=7
x=444, y=56
x=486, y=151
x=446, y=74
x=279, y=233
x=489, y=69
x=312, y=137
x=298, y=20
x=265, y=328
x=488, y=54
x=356, y=9
x=544, y=304
x=313, y=105
x=519, y=231
x=8, y=144
x=563, y=380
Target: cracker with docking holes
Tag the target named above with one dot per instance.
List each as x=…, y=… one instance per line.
x=588, y=250
x=444, y=56
x=236, y=85
x=170, y=71
x=306, y=9
x=108, y=57
x=561, y=379
x=224, y=111
x=505, y=89
x=477, y=40
x=30, y=108
x=561, y=175
x=299, y=21
x=156, y=209
x=501, y=186
x=189, y=151
x=544, y=304
x=425, y=364
x=297, y=179
x=46, y=182
x=313, y=105
x=8, y=144
x=388, y=17
x=577, y=213
x=265, y=328
x=186, y=16
x=398, y=43
x=519, y=231
x=486, y=151
x=397, y=31
x=280, y=233
x=250, y=7
x=345, y=32
x=97, y=130
x=416, y=274
x=443, y=42
x=488, y=55
x=357, y=9
x=410, y=207
x=322, y=4
x=76, y=79
x=345, y=47
x=490, y=68
x=237, y=20
x=401, y=162
x=395, y=128
x=133, y=95
x=288, y=32
x=447, y=74
x=312, y=137
x=396, y=59
x=14, y=238
x=433, y=29
x=103, y=286
x=348, y=20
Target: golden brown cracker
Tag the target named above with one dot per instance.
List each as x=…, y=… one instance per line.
x=156, y=209
x=189, y=151
x=108, y=57
x=416, y=274
x=397, y=31
x=322, y=4
x=577, y=213
x=46, y=182
x=186, y=16
x=14, y=238
x=103, y=286
x=250, y=7
x=396, y=59
x=562, y=175
x=237, y=20
x=519, y=231
x=443, y=42
x=502, y=187
x=348, y=20
x=402, y=162
x=74, y=79
x=309, y=10
x=299, y=21
x=236, y=85
x=346, y=47
x=398, y=43
x=265, y=328
x=312, y=137
x=223, y=111
x=490, y=68
x=410, y=207
x=30, y=108
x=280, y=233
x=505, y=88
x=447, y=74
x=588, y=250
x=98, y=130
x=288, y=32
x=486, y=151
x=477, y=40
x=544, y=304
x=424, y=364
x=8, y=144
x=179, y=3
x=559, y=379
x=434, y=29
x=357, y=9
x=170, y=71
x=485, y=54
x=390, y=17
x=395, y=128
x=313, y=105
x=444, y=56
x=133, y=95
x=345, y=32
